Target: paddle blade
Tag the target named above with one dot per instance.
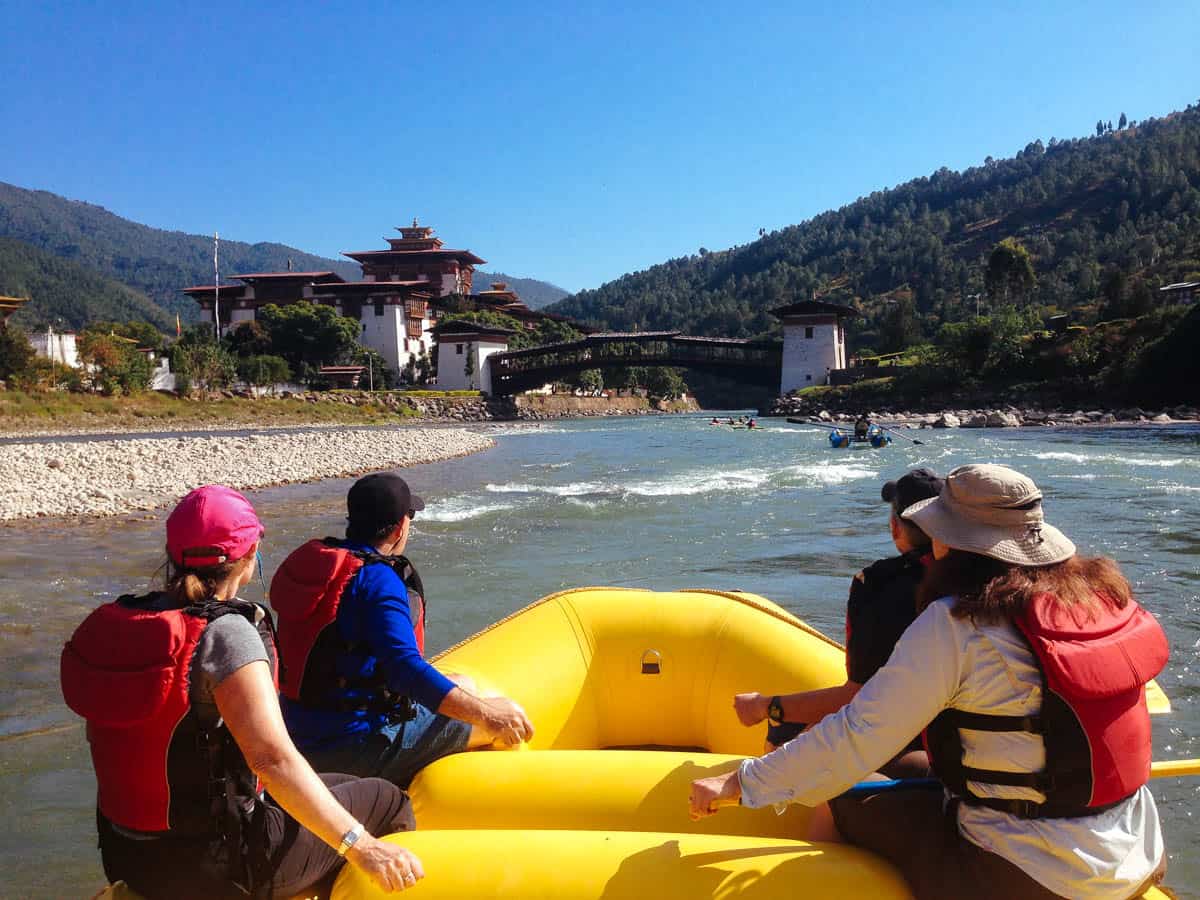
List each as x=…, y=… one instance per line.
x=1156, y=699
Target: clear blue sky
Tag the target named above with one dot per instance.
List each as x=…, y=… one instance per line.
x=569, y=142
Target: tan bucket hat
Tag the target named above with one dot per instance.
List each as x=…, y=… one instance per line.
x=995, y=511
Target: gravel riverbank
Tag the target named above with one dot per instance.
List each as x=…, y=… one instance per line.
x=112, y=477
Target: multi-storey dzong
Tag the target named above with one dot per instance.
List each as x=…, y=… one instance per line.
x=396, y=300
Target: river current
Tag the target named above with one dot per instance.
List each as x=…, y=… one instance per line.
x=656, y=502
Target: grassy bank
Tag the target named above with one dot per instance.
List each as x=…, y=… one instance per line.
x=56, y=411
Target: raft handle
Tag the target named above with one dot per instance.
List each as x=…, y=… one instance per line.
x=651, y=663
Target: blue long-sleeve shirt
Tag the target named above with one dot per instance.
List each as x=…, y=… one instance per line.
x=374, y=614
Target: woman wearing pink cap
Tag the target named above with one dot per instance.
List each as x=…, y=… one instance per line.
x=1026, y=669
x=179, y=691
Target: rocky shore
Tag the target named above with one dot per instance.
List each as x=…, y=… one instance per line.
x=820, y=410
x=112, y=477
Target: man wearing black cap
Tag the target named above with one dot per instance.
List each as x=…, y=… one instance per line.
x=358, y=695
x=881, y=606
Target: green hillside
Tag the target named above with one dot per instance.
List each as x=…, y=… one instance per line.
x=159, y=263
x=1122, y=203
x=68, y=295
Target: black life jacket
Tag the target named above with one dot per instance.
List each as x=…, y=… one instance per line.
x=160, y=770
x=1095, y=664
x=306, y=593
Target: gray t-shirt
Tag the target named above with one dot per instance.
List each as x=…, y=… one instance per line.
x=227, y=644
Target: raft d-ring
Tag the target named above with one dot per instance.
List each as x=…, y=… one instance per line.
x=651, y=663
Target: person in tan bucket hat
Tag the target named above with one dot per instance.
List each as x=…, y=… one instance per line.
x=994, y=511
x=1025, y=671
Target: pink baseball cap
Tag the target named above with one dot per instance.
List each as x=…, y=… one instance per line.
x=211, y=525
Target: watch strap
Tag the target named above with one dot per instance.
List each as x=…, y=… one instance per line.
x=775, y=711
x=350, y=838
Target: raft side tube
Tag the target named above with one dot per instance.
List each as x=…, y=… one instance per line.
x=630, y=865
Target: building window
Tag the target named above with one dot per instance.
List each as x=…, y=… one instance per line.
x=406, y=345
x=379, y=307
x=808, y=378
x=808, y=332
x=458, y=349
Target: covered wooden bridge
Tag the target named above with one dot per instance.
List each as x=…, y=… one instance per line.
x=521, y=370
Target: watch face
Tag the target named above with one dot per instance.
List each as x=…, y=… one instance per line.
x=775, y=710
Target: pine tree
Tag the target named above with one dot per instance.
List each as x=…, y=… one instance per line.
x=1122, y=122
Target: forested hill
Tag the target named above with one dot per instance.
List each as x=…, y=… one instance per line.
x=67, y=295
x=156, y=262
x=1124, y=202
x=535, y=294
x=159, y=263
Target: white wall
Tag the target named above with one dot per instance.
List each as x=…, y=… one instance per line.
x=807, y=360
x=58, y=346
x=384, y=334
x=451, y=363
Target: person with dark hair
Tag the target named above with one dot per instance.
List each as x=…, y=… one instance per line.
x=862, y=427
x=1027, y=668
x=358, y=694
x=178, y=688
x=881, y=605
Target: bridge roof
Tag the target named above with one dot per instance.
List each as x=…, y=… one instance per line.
x=733, y=342
x=630, y=335
x=813, y=308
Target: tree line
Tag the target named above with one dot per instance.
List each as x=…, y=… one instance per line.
x=1101, y=221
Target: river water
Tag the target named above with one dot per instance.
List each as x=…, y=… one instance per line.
x=657, y=502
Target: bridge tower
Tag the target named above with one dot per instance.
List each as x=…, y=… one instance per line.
x=462, y=351
x=814, y=342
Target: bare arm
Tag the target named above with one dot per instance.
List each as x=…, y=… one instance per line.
x=498, y=717
x=807, y=706
x=248, y=703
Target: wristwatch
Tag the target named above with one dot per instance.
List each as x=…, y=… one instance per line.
x=775, y=711
x=350, y=838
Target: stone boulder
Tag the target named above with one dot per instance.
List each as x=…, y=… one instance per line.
x=947, y=420
x=997, y=419
x=977, y=420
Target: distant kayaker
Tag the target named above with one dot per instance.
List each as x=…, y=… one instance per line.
x=357, y=691
x=179, y=692
x=862, y=427
x=882, y=604
x=1027, y=669
x=751, y=424
x=714, y=421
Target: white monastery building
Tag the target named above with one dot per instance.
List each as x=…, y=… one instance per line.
x=397, y=300
x=814, y=342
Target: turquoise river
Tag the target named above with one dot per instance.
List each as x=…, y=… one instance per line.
x=658, y=502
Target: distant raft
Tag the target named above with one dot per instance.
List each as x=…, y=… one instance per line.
x=876, y=437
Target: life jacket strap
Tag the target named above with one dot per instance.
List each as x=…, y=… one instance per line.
x=985, y=722
x=1031, y=809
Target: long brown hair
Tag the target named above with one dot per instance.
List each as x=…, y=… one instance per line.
x=189, y=585
x=988, y=591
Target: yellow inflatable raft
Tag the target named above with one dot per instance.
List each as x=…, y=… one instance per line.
x=630, y=692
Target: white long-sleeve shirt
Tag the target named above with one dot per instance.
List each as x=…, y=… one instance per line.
x=944, y=662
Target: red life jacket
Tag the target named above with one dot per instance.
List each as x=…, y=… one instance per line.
x=1095, y=664
x=306, y=592
x=159, y=769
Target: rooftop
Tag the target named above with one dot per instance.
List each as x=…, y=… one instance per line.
x=283, y=276
x=813, y=308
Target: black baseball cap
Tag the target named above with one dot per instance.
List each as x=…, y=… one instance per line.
x=919, y=484
x=379, y=500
